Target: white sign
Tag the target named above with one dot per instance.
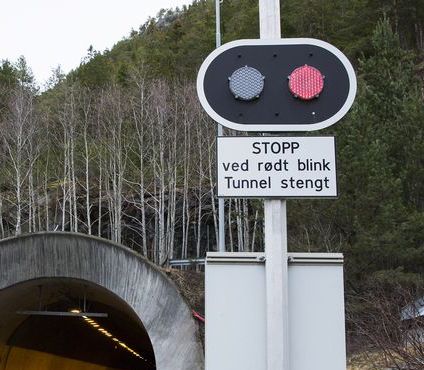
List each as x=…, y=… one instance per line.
x=284, y=167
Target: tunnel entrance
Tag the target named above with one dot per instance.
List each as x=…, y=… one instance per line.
x=117, y=279
x=64, y=323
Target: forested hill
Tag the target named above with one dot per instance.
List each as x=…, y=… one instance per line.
x=175, y=42
x=120, y=147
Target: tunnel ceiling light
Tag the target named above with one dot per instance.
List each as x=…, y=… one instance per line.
x=306, y=82
x=94, y=324
x=246, y=83
x=62, y=313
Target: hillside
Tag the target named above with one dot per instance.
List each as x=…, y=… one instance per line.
x=175, y=42
x=120, y=147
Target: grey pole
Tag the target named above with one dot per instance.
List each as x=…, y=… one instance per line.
x=221, y=210
x=276, y=266
x=218, y=22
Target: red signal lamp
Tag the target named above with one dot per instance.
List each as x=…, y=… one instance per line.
x=306, y=82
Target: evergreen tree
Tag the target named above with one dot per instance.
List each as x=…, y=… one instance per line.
x=381, y=155
x=8, y=73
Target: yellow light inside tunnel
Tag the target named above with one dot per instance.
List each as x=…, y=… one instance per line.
x=94, y=324
x=75, y=310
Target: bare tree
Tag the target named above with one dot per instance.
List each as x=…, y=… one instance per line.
x=85, y=103
x=114, y=119
x=139, y=103
x=17, y=132
x=143, y=156
x=389, y=328
x=1, y=218
x=68, y=118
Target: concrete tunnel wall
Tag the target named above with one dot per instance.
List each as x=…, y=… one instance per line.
x=152, y=296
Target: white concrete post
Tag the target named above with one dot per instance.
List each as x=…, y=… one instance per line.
x=276, y=277
x=275, y=237
x=269, y=19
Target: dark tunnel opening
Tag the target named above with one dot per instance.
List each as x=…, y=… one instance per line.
x=37, y=333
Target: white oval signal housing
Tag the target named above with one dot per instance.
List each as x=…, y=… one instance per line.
x=276, y=108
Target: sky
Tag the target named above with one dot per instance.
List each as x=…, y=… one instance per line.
x=49, y=33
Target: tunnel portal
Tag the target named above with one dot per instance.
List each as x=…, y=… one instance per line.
x=71, y=301
x=37, y=333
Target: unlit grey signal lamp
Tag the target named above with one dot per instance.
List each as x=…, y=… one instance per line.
x=246, y=83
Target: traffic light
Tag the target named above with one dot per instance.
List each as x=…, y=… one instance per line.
x=276, y=85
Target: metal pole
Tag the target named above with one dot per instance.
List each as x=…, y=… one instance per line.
x=218, y=22
x=275, y=237
x=221, y=209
